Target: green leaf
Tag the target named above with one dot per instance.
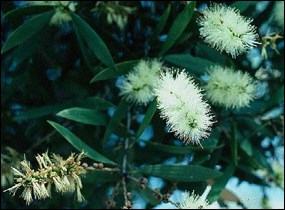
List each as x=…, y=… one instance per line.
x=207, y=52
x=120, y=112
x=246, y=146
x=179, y=149
x=93, y=40
x=220, y=184
x=101, y=177
x=28, y=48
x=208, y=144
x=161, y=23
x=20, y=12
x=94, y=103
x=147, y=194
x=27, y=30
x=83, y=115
x=181, y=173
x=261, y=159
x=178, y=26
x=190, y=63
x=243, y=6
x=84, y=49
x=147, y=119
x=79, y=144
x=234, y=145
x=275, y=99
x=254, y=107
x=109, y=73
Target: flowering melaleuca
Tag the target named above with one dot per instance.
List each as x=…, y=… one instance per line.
x=193, y=202
x=137, y=86
x=278, y=13
x=229, y=88
x=115, y=12
x=180, y=102
x=62, y=9
x=226, y=30
x=63, y=174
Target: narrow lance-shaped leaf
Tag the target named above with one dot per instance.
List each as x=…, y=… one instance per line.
x=147, y=119
x=189, y=62
x=178, y=26
x=28, y=48
x=21, y=12
x=233, y=143
x=109, y=73
x=94, y=103
x=220, y=184
x=181, y=173
x=160, y=25
x=79, y=144
x=84, y=49
x=101, y=177
x=28, y=29
x=115, y=120
x=93, y=40
x=83, y=115
x=171, y=149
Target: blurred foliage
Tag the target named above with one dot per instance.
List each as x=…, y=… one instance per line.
x=65, y=74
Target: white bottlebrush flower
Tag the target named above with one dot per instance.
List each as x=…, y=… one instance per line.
x=137, y=86
x=229, y=88
x=193, y=202
x=27, y=195
x=226, y=30
x=180, y=102
x=278, y=13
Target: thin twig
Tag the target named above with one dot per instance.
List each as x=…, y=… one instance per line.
x=125, y=162
x=126, y=146
x=125, y=191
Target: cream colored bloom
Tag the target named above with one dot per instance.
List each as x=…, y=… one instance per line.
x=137, y=86
x=226, y=30
x=229, y=88
x=115, y=12
x=36, y=184
x=278, y=13
x=181, y=104
x=60, y=17
x=62, y=9
x=193, y=201
x=27, y=195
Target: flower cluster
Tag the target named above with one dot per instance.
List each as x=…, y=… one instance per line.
x=193, y=202
x=137, y=86
x=181, y=104
x=62, y=9
x=278, y=13
x=63, y=174
x=226, y=30
x=115, y=12
x=229, y=88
